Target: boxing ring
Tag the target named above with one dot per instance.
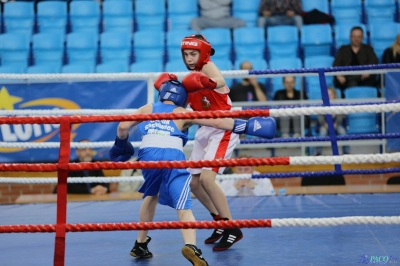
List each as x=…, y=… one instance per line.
x=302, y=229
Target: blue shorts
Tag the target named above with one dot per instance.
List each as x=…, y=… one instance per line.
x=172, y=184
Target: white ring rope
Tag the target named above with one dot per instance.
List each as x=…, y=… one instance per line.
x=99, y=179
x=300, y=160
x=350, y=220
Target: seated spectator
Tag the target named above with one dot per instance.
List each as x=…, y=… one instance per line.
x=249, y=89
x=355, y=54
x=86, y=155
x=278, y=13
x=130, y=186
x=247, y=187
x=392, y=53
x=289, y=93
x=216, y=14
x=337, y=124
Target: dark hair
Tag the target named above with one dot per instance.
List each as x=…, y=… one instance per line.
x=283, y=79
x=356, y=28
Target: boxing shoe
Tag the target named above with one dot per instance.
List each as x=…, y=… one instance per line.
x=194, y=255
x=140, y=250
x=229, y=237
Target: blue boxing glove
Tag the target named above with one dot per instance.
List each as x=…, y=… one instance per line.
x=264, y=127
x=121, y=151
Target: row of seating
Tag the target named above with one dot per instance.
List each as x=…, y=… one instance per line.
x=153, y=14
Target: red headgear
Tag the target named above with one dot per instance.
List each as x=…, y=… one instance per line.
x=204, y=47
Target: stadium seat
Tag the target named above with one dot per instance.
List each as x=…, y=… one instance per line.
x=282, y=42
x=175, y=66
x=52, y=16
x=283, y=63
x=118, y=16
x=81, y=48
x=111, y=68
x=181, y=13
x=174, y=38
x=221, y=41
x=48, y=48
x=77, y=68
x=362, y=123
x=380, y=15
x=318, y=62
x=382, y=36
x=11, y=70
x=346, y=11
x=150, y=15
x=19, y=17
x=346, y=4
x=342, y=33
x=248, y=42
x=85, y=16
x=43, y=69
x=246, y=10
x=14, y=49
x=115, y=47
x=148, y=45
x=321, y=5
x=316, y=40
x=147, y=66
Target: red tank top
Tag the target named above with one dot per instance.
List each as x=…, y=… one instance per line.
x=209, y=100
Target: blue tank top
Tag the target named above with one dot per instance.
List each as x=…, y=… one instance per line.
x=163, y=127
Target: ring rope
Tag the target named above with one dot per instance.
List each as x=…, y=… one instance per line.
x=377, y=68
x=297, y=160
x=254, y=223
x=111, y=179
x=52, y=112
x=393, y=107
x=107, y=144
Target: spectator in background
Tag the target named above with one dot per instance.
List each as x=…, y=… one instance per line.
x=130, y=186
x=249, y=89
x=392, y=53
x=289, y=93
x=355, y=54
x=86, y=155
x=216, y=14
x=280, y=12
x=337, y=124
x=247, y=187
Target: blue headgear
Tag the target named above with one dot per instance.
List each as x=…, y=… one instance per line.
x=173, y=91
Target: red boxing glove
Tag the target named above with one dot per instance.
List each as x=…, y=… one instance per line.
x=164, y=77
x=196, y=81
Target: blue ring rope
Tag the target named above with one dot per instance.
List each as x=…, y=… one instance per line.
x=328, y=173
x=326, y=138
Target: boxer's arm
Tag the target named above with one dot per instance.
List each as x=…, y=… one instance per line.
x=123, y=127
x=212, y=71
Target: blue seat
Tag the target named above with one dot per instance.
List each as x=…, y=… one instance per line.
x=148, y=45
x=318, y=62
x=111, y=68
x=346, y=4
x=115, y=47
x=361, y=123
x=316, y=40
x=249, y=42
x=342, y=33
x=147, y=66
x=282, y=41
x=246, y=10
x=221, y=41
x=11, y=70
x=380, y=15
x=81, y=48
x=178, y=7
x=283, y=63
x=43, y=69
x=14, y=49
x=175, y=66
x=343, y=16
x=382, y=36
x=173, y=41
x=77, y=68
x=150, y=15
x=118, y=16
x=19, y=17
x=85, y=16
x=321, y=5
x=52, y=16
x=48, y=48
x=249, y=17
x=180, y=22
